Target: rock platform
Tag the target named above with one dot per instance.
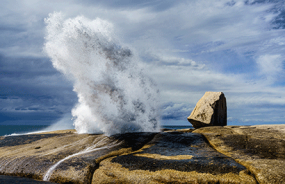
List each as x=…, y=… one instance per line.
x=229, y=154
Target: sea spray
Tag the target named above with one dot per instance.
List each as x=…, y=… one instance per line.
x=114, y=96
x=102, y=144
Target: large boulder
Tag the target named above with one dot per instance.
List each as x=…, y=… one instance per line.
x=211, y=110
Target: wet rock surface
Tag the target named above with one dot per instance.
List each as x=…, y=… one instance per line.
x=24, y=139
x=173, y=157
x=259, y=148
x=33, y=155
x=201, y=157
x=19, y=180
x=207, y=155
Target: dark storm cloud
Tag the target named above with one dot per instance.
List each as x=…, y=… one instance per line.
x=31, y=89
x=25, y=67
x=236, y=46
x=10, y=29
x=9, y=35
x=279, y=22
x=173, y=111
x=278, y=7
x=28, y=118
x=157, y=5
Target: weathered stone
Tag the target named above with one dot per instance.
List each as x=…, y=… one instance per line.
x=173, y=157
x=20, y=180
x=230, y=154
x=211, y=110
x=259, y=148
x=19, y=157
x=33, y=155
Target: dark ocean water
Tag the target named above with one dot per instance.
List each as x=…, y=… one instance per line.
x=176, y=127
x=11, y=129
x=18, y=129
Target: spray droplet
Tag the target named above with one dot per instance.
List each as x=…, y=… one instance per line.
x=114, y=96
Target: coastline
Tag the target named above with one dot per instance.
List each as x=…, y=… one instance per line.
x=25, y=129
x=228, y=154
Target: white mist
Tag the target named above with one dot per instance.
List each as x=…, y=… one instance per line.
x=114, y=96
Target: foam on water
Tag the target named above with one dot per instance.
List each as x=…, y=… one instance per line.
x=114, y=96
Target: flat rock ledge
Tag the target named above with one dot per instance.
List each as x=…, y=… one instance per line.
x=230, y=154
x=261, y=149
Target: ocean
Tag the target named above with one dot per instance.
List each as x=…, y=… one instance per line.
x=11, y=129
x=176, y=127
x=18, y=129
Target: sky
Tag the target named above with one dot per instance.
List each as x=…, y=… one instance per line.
x=187, y=47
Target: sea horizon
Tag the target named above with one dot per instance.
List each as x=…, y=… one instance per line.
x=23, y=129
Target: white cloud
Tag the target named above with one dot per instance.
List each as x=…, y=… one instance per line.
x=270, y=65
x=178, y=46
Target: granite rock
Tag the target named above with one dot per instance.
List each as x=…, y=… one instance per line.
x=173, y=157
x=261, y=149
x=211, y=110
x=79, y=154
x=230, y=154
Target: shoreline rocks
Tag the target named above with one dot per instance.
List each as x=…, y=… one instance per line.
x=211, y=110
x=173, y=157
x=4, y=179
x=214, y=154
x=261, y=149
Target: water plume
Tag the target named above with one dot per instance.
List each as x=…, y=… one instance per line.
x=114, y=96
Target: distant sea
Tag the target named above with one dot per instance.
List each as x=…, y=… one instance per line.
x=18, y=129
x=176, y=127
x=11, y=129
